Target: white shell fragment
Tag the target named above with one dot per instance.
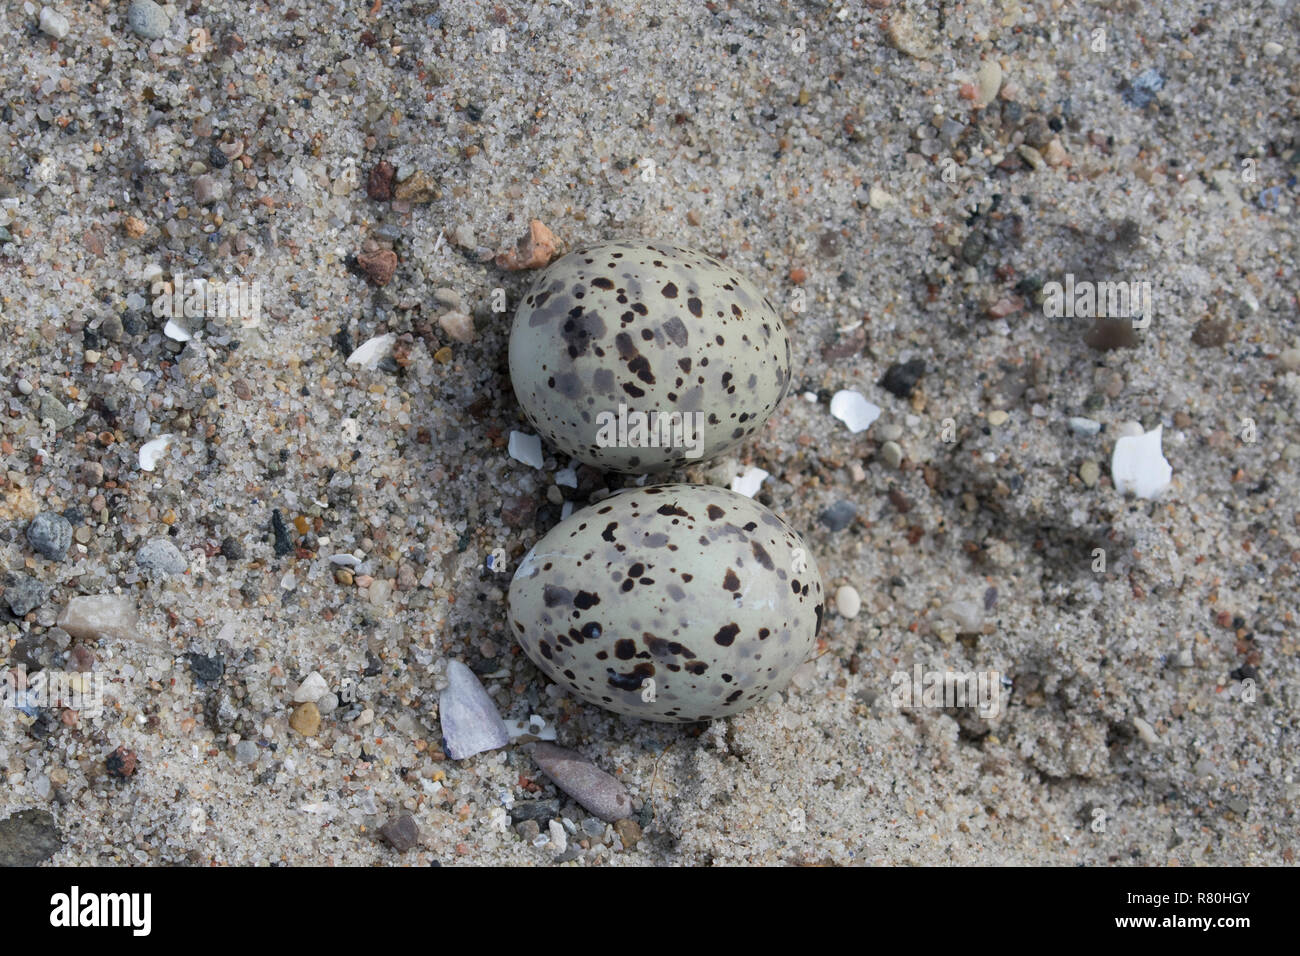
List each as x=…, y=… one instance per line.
x=371, y=353
x=854, y=410
x=749, y=483
x=526, y=448
x=1138, y=465
x=530, y=731
x=151, y=452
x=470, y=722
x=174, y=330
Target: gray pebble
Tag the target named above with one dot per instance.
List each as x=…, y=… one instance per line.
x=246, y=752
x=159, y=554
x=57, y=412
x=470, y=722
x=28, y=837
x=592, y=787
x=401, y=832
x=50, y=535
x=328, y=704
x=537, y=810
x=839, y=515
x=53, y=23
x=891, y=453
x=24, y=594
x=147, y=19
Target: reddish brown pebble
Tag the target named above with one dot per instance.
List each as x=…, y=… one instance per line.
x=81, y=659
x=1006, y=305
x=798, y=276
x=532, y=251
x=379, y=186
x=379, y=265
x=121, y=763
x=401, y=833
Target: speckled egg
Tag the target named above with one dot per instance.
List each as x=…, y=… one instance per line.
x=673, y=603
x=644, y=356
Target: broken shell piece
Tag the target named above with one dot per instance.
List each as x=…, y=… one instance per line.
x=1138, y=465
x=470, y=722
x=151, y=452
x=749, y=483
x=530, y=731
x=371, y=353
x=174, y=330
x=526, y=448
x=854, y=410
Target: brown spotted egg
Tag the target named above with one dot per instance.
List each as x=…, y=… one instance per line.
x=643, y=356
x=672, y=603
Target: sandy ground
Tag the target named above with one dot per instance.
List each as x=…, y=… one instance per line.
x=844, y=158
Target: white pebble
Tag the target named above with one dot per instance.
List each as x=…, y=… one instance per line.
x=854, y=410
x=1138, y=465
x=53, y=23
x=847, y=602
x=525, y=448
x=312, y=689
x=1084, y=426
x=559, y=842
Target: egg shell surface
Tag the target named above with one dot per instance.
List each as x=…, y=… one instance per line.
x=674, y=603
x=623, y=331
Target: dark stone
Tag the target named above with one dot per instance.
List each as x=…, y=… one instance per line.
x=541, y=811
x=283, y=542
x=50, y=535
x=28, y=837
x=839, y=515
x=902, y=377
x=231, y=549
x=401, y=833
x=207, y=669
x=24, y=594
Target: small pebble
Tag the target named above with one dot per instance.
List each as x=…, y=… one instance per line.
x=401, y=833
x=525, y=448
x=534, y=250
x=847, y=602
x=1089, y=473
x=312, y=688
x=246, y=752
x=839, y=515
x=306, y=719
x=559, y=840
x=629, y=832
x=92, y=616
x=997, y=418
x=24, y=594
x=901, y=378
x=459, y=326
x=1290, y=359
x=327, y=704
x=988, y=80
x=147, y=19
x=50, y=535
x=1084, y=426
x=53, y=23
x=469, y=718
x=159, y=554
x=599, y=792
x=891, y=453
